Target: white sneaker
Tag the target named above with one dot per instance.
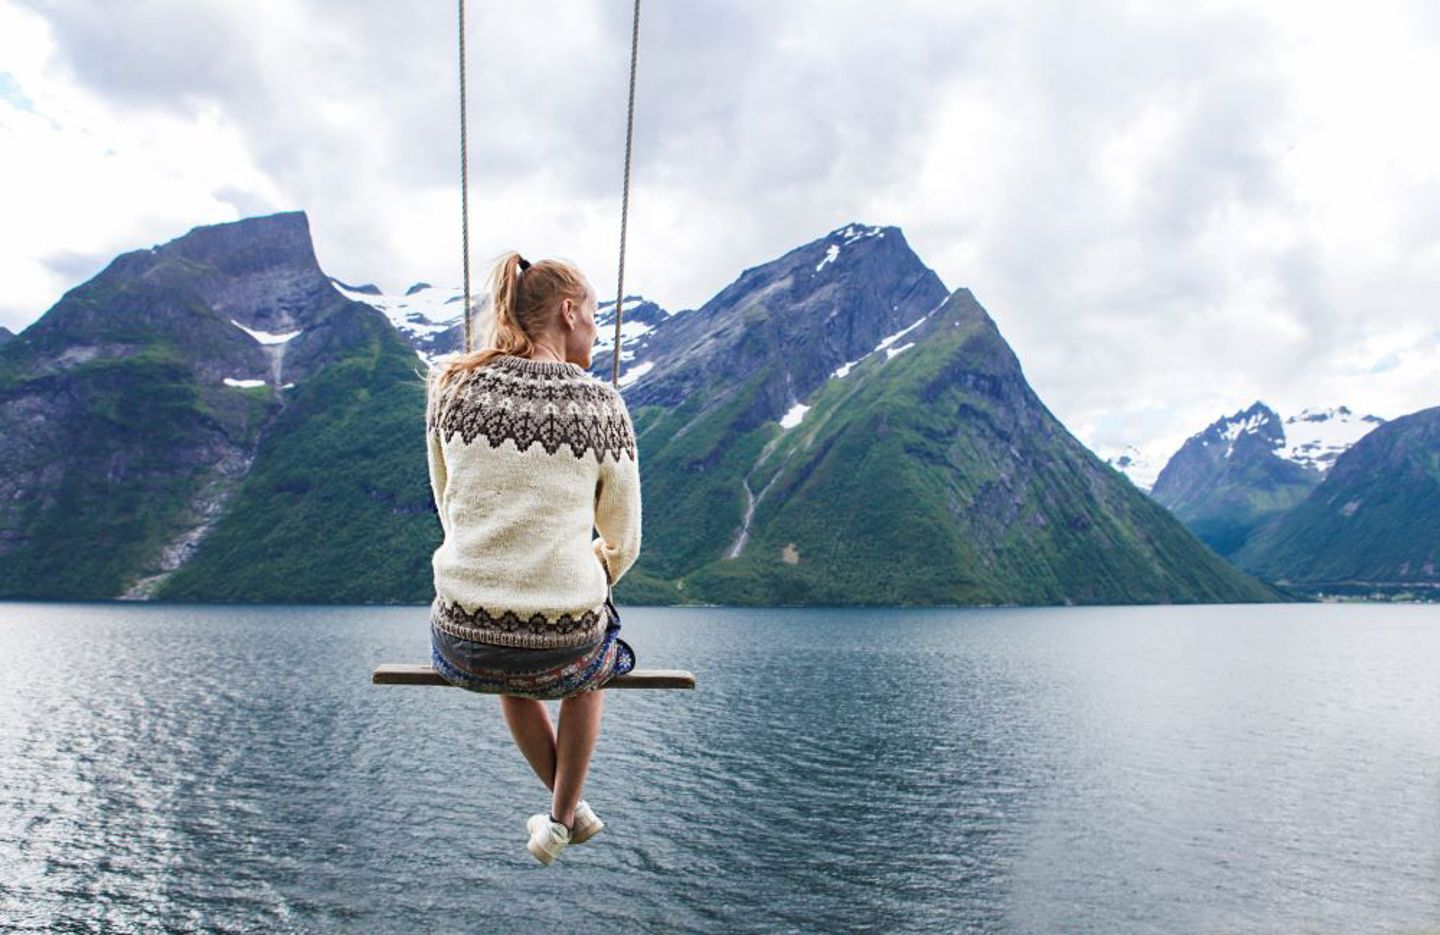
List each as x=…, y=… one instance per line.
x=547, y=838
x=587, y=823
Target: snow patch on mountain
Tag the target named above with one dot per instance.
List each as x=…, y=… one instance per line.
x=267, y=337
x=639, y=317
x=1316, y=437
x=887, y=341
x=1131, y=462
x=639, y=370
x=851, y=233
x=423, y=312
x=831, y=254
x=630, y=334
x=793, y=417
x=844, y=369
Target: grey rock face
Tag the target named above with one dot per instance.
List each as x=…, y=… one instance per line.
x=154, y=381
x=368, y=288
x=638, y=326
x=1249, y=433
x=1227, y=480
x=807, y=313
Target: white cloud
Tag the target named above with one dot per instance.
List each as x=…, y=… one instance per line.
x=1170, y=210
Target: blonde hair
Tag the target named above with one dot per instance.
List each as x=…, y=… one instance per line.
x=522, y=298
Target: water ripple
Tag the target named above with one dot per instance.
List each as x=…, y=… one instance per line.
x=1203, y=769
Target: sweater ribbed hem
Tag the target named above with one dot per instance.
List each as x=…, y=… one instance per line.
x=508, y=628
x=539, y=368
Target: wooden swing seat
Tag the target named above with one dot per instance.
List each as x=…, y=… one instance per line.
x=407, y=674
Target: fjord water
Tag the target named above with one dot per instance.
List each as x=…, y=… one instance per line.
x=1103, y=769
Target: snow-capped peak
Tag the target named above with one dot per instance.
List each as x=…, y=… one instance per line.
x=633, y=303
x=1316, y=437
x=851, y=233
x=1259, y=420
x=639, y=318
x=1244, y=423
x=423, y=312
x=843, y=237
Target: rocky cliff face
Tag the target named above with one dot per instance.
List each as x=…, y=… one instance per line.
x=797, y=318
x=133, y=409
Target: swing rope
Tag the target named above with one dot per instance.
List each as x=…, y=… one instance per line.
x=625, y=198
x=464, y=182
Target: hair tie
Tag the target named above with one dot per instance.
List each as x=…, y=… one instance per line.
x=524, y=264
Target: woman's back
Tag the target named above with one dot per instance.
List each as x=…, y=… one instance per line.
x=526, y=456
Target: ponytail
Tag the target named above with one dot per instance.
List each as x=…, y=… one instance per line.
x=522, y=296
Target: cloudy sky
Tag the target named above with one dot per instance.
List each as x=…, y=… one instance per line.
x=1170, y=210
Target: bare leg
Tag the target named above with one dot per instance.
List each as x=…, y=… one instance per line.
x=579, y=728
x=530, y=726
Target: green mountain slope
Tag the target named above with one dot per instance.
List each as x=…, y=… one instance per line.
x=933, y=477
x=102, y=461
x=337, y=506
x=223, y=362
x=1373, y=521
x=118, y=432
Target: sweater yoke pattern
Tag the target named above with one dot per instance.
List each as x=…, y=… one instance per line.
x=497, y=403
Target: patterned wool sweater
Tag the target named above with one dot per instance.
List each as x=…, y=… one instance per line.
x=527, y=459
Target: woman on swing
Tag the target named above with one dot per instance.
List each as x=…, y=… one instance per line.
x=527, y=452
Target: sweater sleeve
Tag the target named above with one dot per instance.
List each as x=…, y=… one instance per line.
x=435, y=459
x=617, y=507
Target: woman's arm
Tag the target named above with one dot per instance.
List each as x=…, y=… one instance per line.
x=617, y=506
x=435, y=457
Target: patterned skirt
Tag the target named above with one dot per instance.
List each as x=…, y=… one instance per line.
x=543, y=674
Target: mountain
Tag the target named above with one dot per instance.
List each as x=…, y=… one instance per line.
x=1316, y=437
x=1228, y=479
x=835, y=427
x=641, y=318
x=6, y=335
x=1243, y=470
x=797, y=318
x=432, y=320
x=217, y=419
x=1136, y=465
x=210, y=419
x=1373, y=523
